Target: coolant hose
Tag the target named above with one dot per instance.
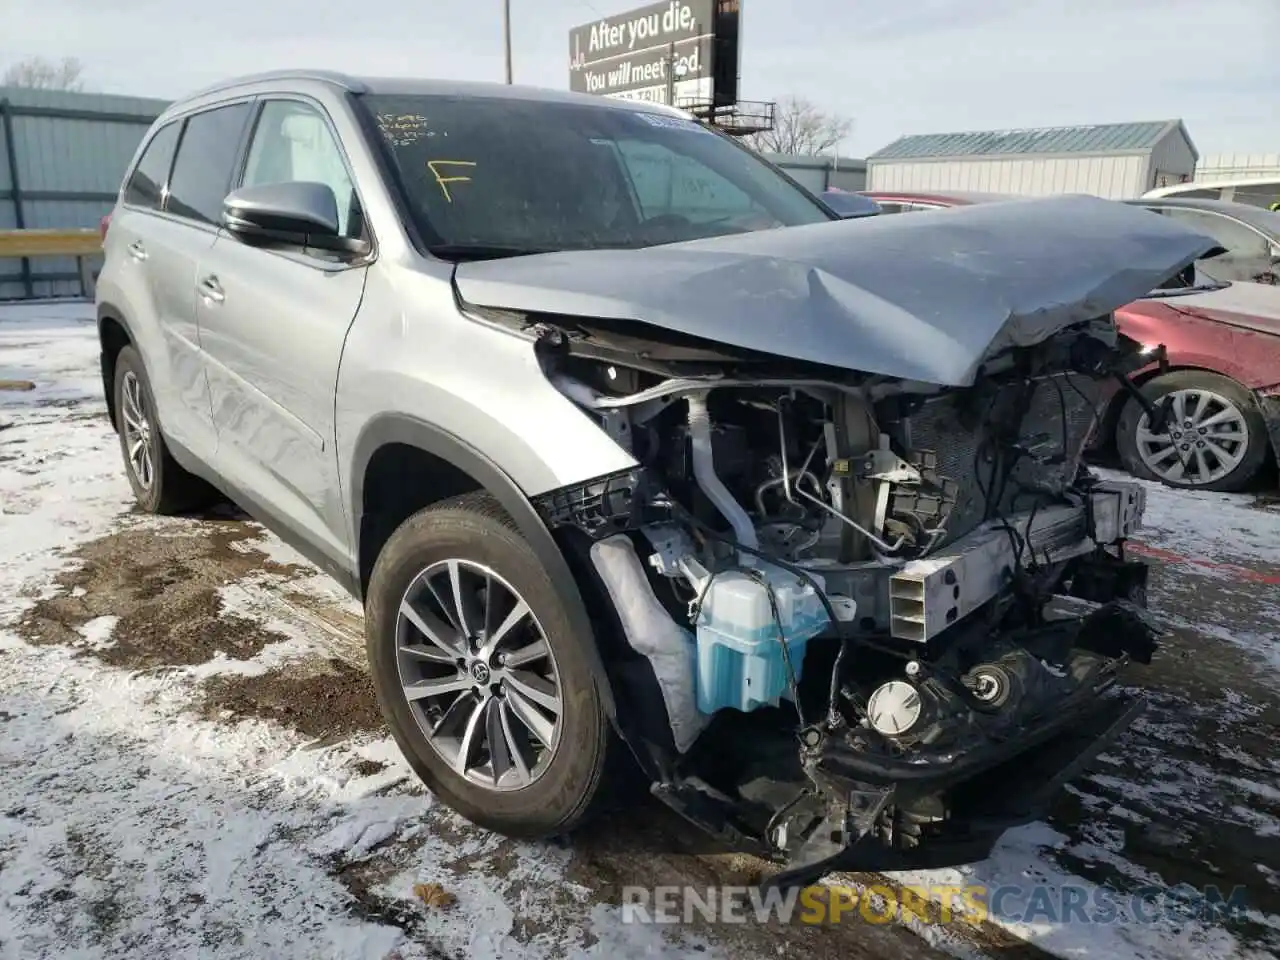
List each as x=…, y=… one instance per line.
x=704, y=471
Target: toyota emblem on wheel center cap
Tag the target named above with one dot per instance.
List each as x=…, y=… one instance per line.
x=479, y=672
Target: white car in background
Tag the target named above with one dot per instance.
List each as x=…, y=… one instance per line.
x=1261, y=192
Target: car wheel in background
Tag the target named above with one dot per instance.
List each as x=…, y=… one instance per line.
x=488, y=690
x=159, y=484
x=1216, y=437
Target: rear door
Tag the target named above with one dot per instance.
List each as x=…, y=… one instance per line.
x=177, y=239
x=272, y=326
x=146, y=250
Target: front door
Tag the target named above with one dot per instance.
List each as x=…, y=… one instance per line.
x=272, y=327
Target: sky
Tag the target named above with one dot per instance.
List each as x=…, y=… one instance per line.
x=892, y=67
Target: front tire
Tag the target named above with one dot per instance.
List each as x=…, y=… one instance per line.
x=1216, y=438
x=487, y=689
x=160, y=484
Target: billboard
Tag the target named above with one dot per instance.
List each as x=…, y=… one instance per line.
x=653, y=52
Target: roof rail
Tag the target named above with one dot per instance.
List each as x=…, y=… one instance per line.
x=323, y=76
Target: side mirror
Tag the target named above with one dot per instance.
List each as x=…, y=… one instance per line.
x=292, y=214
x=848, y=206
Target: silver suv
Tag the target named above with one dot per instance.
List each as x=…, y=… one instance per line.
x=626, y=440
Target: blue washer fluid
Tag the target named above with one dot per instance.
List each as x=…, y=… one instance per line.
x=740, y=659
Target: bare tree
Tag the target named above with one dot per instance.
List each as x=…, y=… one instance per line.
x=45, y=74
x=800, y=127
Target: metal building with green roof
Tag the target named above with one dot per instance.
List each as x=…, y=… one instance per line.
x=1116, y=160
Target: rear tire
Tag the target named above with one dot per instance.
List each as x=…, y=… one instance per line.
x=160, y=484
x=476, y=744
x=1225, y=457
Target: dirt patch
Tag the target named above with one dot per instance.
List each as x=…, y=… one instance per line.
x=331, y=704
x=163, y=586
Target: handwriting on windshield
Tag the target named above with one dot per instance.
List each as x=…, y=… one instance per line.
x=403, y=129
x=447, y=172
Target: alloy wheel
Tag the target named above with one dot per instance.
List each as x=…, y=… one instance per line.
x=138, y=431
x=478, y=674
x=1206, y=439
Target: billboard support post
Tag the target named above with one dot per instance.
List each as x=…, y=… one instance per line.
x=506, y=35
x=671, y=74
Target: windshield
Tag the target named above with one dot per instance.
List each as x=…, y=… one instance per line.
x=496, y=176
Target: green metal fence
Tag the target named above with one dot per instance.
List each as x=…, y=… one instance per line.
x=62, y=156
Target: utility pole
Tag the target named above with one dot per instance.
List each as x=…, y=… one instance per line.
x=506, y=34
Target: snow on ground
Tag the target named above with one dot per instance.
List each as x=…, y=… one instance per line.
x=129, y=827
x=133, y=824
x=1222, y=541
x=1208, y=528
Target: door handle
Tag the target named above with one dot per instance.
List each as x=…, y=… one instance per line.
x=137, y=251
x=211, y=290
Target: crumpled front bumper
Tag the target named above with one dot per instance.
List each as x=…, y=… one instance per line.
x=991, y=790
x=994, y=780
x=924, y=807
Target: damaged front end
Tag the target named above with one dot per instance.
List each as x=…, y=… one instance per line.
x=848, y=594
x=867, y=607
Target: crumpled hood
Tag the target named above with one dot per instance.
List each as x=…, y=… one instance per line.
x=923, y=296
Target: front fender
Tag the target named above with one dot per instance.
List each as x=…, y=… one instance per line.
x=403, y=429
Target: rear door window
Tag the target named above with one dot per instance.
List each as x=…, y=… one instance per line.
x=206, y=160
x=1258, y=195
x=1206, y=193
x=146, y=183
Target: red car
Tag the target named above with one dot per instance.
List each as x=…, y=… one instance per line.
x=1221, y=384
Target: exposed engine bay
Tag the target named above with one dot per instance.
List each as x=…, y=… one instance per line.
x=844, y=591
x=859, y=601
